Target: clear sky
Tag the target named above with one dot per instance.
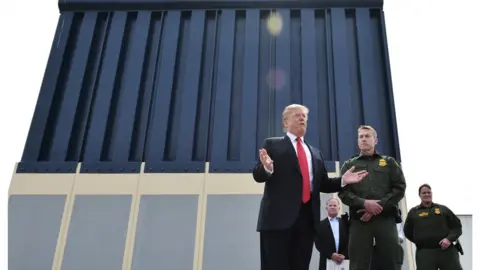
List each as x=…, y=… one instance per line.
x=434, y=61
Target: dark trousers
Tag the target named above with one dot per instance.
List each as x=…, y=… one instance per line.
x=289, y=249
x=434, y=259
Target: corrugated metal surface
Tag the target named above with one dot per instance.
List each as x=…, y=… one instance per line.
x=466, y=239
x=176, y=89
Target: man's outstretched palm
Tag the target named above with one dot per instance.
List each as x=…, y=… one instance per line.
x=350, y=177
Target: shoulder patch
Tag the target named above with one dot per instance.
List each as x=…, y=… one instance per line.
x=391, y=160
x=395, y=162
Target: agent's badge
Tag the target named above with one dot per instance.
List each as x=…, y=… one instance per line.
x=382, y=163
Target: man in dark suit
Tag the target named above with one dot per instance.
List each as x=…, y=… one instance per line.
x=332, y=239
x=294, y=175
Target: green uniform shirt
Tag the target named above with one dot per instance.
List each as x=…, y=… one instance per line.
x=427, y=226
x=385, y=182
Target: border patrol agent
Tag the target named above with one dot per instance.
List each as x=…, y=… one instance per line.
x=433, y=228
x=373, y=204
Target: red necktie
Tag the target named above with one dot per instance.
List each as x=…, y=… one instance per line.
x=302, y=161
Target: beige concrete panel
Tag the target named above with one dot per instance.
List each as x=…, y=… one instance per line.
x=228, y=183
x=166, y=184
x=40, y=183
x=86, y=183
x=335, y=195
x=48, y=184
x=408, y=244
x=171, y=183
x=337, y=168
x=98, y=184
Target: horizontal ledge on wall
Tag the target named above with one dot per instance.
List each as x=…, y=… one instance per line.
x=108, y=5
x=235, y=167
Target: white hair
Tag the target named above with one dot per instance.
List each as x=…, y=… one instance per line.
x=286, y=112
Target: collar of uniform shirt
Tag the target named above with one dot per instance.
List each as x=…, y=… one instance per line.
x=374, y=154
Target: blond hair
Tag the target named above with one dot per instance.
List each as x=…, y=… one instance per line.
x=367, y=127
x=288, y=109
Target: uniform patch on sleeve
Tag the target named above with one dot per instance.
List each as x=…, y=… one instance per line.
x=396, y=164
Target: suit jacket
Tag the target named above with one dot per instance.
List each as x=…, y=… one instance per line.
x=325, y=242
x=282, y=195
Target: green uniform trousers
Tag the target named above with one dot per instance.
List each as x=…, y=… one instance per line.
x=375, y=265
x=384, y=230
x=400, y=256
x=434, y=259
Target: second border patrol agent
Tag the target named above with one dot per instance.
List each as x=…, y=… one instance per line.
x=433, y=228
x=373, y=204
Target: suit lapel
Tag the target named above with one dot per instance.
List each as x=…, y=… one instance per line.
x=291, y=150
x=314, y=158
x=342, y=230
x=330, y=231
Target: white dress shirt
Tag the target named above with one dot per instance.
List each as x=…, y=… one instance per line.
x=293, y=140
x=334, y=224
x=401, y=235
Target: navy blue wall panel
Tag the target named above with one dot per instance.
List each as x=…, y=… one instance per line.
x=176, y=89
x=69, y=5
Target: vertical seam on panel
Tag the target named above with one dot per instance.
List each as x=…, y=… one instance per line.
x=132, y=224
x=65, y=225
x=15, y=168
x=200, y=228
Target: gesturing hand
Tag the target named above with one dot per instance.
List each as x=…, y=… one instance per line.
x=350, y=177
x=265, y=159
